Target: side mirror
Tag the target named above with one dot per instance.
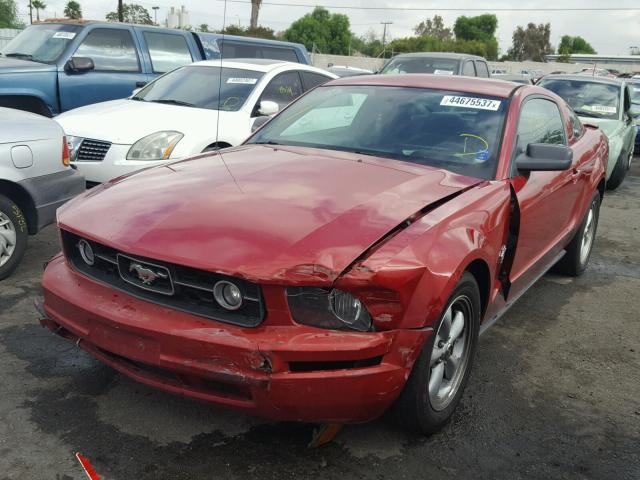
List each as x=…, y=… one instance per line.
x=267, y=108
x=544, y=157
x=79, y=65
x=259, y=122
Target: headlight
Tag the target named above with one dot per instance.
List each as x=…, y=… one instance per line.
x=74, y=144
x=334, y=309
x=157, y=146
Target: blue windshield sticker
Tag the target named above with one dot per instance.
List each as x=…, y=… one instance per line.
x=483, y=156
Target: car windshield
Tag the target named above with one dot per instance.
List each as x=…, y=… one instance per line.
x=438, y=66
x=455, y=131
x=197, y=86
x=588, y=99
x=41, y=43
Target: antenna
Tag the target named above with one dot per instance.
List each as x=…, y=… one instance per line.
x=224, y=22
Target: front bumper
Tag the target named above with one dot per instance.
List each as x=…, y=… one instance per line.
x=114, y=164
x=279, y=371
x=51, y=191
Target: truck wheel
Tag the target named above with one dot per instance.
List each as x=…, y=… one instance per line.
x=619, y=172
x=442, y=370
x=13, y=236
x=579, y=249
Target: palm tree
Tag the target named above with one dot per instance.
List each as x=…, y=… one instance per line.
x=38, y=5
x=73, y=10
x=255, y=9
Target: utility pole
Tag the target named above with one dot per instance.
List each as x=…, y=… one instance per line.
x=384, y=38
x=120, y=12
x=155, y=14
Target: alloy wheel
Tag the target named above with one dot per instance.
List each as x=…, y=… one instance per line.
x=588, y=234
x=450, y=353
x=7, y=238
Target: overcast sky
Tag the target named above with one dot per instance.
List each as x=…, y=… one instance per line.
x=610, y=32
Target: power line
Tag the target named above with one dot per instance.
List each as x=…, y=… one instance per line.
x=447, y=9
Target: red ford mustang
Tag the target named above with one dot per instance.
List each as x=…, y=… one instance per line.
x=344, y=259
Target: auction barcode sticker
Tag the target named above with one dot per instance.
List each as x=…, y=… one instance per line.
x=470, y=102
x=245, y=81
x=603, y=109
x=65, y=35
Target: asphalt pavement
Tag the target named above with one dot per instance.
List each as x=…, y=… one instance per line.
x=554, y=394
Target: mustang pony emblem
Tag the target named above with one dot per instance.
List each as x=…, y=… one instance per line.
x=146, y=275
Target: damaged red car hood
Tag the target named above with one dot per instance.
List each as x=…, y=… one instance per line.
x=269, y=214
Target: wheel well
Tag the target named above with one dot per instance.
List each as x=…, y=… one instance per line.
x=26, y=103
x=20, y=197
x=601, y=188
x=216, y=146
x=480, y=271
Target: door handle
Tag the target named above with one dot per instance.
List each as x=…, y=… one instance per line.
x=140, y=84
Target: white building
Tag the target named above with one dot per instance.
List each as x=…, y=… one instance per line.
x=178, y=18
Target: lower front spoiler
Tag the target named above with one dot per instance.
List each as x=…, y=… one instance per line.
x=270, y=388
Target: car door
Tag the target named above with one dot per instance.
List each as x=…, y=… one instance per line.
x=547, y=199
x=117, y=69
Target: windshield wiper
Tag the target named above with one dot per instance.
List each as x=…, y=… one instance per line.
x=19, y=55
x=138, y=99
x=268, y=142
x=584, y=113
x=170, y=101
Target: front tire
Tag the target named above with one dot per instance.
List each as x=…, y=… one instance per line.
x=13, y=236
x=579, y=249
x=619, y=171
x=442, y=370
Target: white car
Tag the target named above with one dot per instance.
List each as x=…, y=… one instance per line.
x=199, y=107
x=35, y=179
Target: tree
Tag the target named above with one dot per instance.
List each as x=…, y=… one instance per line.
x=73, y=10
x=532, y=43
x=481, y=28
x=38, y=5
x=9, y=14
x=432, y=44
x=132, y=13
x=370, y=44
x=433, y=28
x=323, y=31
x=570, y=45
x=258, y=32
x=255, y=10
x=204, y=27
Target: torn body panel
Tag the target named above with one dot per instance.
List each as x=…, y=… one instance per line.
x=422, y=263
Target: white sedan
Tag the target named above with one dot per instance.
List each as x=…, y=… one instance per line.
x=203, y=106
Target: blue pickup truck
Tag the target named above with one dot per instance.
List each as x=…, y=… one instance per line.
x=50, y=68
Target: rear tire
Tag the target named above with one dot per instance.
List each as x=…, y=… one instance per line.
x=426, y=404
x=619, y=172
x=579, y=249
x=13, y=236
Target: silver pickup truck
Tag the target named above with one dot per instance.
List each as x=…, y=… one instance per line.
x=35, y=179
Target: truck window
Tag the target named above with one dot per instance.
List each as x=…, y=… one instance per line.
x=167, y=51
x=110, y=49
x=278, y=53
x=239, y=50
x=483, y=70
x=468, y=69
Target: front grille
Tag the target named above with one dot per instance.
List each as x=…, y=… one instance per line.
x=175, y=286
x=92, y=150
